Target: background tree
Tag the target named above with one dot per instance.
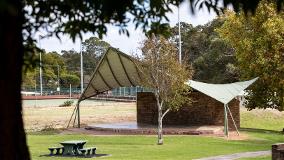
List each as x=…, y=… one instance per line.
x=212, y=59
x=67, y=79
x=93, y=48
x=53, y=66
x=72, y=60
x=258, y=41
x=165, y=75
x=24, y=18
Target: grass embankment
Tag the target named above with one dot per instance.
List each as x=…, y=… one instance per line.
x=262, y=119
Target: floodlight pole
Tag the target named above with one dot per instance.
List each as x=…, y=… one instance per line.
x=179, y=37
x=58, y=81
x=82, y=81
x=40, y=67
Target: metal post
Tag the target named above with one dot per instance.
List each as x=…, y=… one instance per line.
x=226, y=121
x=82, y=81
x=179, y=36
x=35, y=93
x=58, y=81
x=135, y=90
x=233, y=120
x=78, y=113
x=40, y=68
x=70, y=93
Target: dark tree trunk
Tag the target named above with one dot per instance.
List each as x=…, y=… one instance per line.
x=12, y=136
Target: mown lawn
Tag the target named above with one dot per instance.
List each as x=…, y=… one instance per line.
x=266, y=125
x=144, y=147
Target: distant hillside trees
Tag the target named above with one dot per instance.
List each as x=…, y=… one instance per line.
x=65, y=67
x=212, y=59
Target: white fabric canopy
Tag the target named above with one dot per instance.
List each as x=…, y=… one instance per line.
x=221, y=92
x=115, y=69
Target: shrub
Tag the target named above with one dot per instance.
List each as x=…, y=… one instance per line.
x=67, y=103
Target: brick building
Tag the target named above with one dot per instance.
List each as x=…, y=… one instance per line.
x=203, y=110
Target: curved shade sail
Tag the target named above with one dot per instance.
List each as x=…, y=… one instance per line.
x=221, y=92
x=115, y=69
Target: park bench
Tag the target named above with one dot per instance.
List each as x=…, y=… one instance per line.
x=57, y=150
x=88, y=151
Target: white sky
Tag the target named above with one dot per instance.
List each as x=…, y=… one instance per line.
x=122, y=42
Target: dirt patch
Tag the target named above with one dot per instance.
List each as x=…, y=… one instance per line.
x=38, y=118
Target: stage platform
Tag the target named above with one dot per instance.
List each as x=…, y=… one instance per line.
x=134, y=128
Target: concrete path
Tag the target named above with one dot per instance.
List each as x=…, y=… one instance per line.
x=238, y=155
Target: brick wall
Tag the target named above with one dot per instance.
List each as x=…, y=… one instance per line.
x=203, y=111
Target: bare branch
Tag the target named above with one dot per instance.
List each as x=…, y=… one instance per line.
x=165, y=113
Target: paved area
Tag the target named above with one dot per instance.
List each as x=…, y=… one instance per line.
x=134, y=128
x=238, y=155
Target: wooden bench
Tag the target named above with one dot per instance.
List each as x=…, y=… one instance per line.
x=57, y=150
x=88, y=151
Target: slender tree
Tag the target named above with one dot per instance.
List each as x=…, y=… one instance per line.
x=165, y=75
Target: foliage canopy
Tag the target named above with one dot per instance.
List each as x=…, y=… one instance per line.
x=212, y=59
x=258, y=41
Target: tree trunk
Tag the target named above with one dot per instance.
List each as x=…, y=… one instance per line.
x=160, y=122
x=160, y=126
x=12, y=136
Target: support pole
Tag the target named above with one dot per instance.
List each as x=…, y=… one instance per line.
x=78, y=113
x=233, y=120
x=226, y=132
x=71, y=117
x=75, y=116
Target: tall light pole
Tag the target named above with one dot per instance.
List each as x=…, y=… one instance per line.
x=82, y=80
x=179, y=37
x=40, y=65
x=58, y=81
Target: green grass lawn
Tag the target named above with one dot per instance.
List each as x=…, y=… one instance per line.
x=144, y=147
x=266, y=124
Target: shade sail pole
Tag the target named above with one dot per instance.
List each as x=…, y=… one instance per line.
x=226, y=130
x=78, y=113
x=233, y=120
x=73, y=113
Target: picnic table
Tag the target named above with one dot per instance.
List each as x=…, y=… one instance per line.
x=72, y=147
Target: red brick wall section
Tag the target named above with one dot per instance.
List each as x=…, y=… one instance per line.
x=204, y=110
